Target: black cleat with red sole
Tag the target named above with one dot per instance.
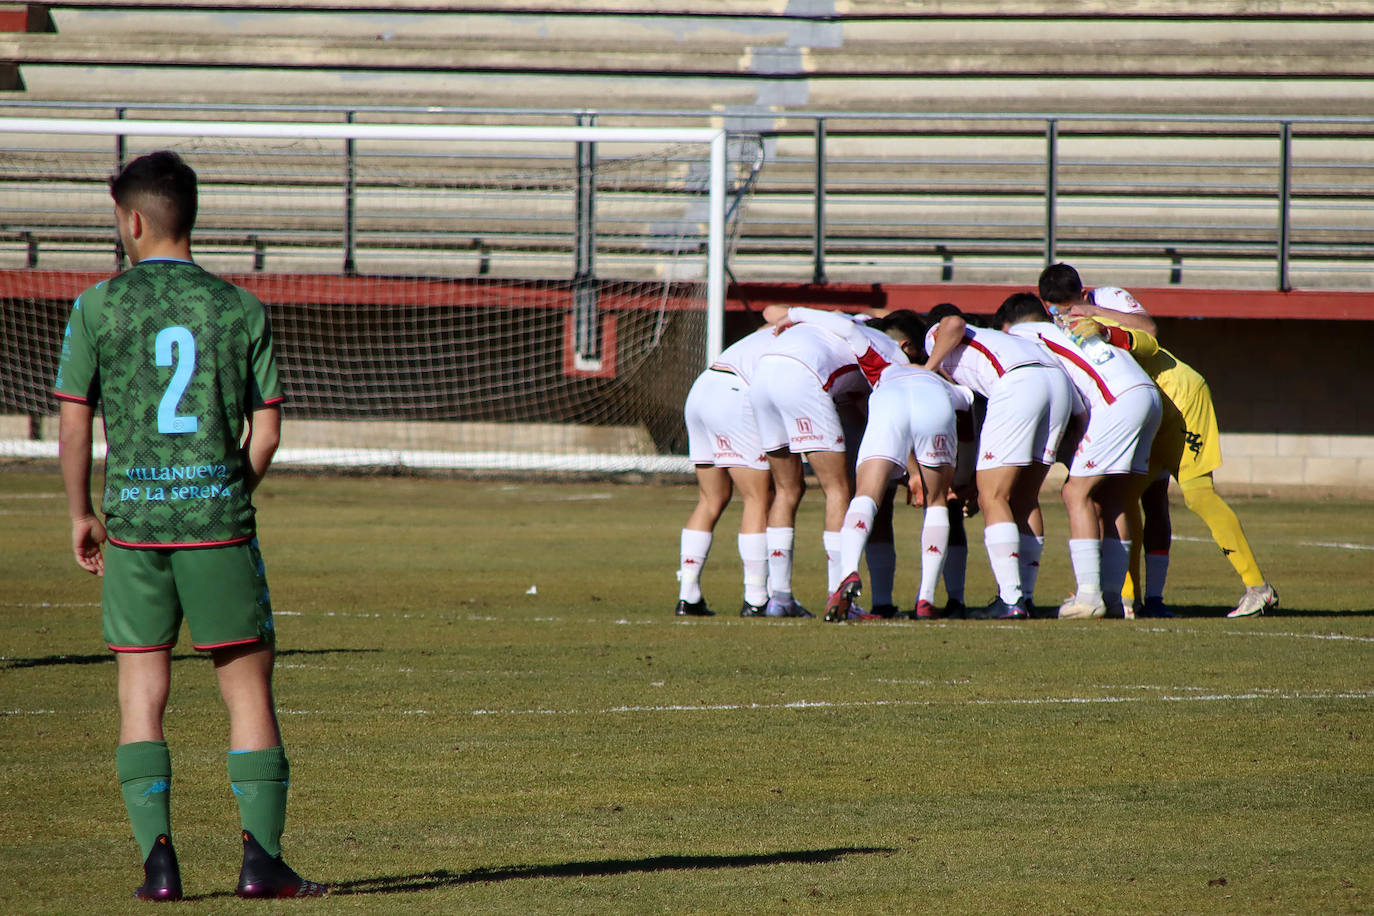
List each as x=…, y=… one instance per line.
x=161, y=875
x=268, y=877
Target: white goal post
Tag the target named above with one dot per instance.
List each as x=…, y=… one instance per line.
x=418, y=276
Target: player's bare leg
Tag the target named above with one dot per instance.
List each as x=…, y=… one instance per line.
x=1002, y=539
x=856, y=527
x=935, y=528
x=755, y=487
x=1030, y=526
x=1156, y=538
x=789, y=485
x=258, y=772
x=145, y=767
x=713, y=495
x=1085, y=547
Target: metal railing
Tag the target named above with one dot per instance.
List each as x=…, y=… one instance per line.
x=1213, y=192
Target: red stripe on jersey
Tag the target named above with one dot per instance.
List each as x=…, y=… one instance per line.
x=839, y=374
x=996, y=366
x=74, y=398
x=872, y=363
x=1073, y=356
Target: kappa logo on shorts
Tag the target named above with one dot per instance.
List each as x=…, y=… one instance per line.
x=989, y=456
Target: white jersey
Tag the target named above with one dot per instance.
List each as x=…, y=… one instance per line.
x=1116, y=299
x=873, y=350
x=1099, y=383
x=985, y=356
x=825, y=354
x=742, y=356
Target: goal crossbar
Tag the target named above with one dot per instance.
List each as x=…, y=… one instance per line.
x=715, y=138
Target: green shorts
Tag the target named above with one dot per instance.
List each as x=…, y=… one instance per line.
x=221, y=591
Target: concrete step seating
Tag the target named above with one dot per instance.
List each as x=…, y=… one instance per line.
x=931, y=186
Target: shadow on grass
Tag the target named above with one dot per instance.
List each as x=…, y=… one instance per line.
x=103, y=658
x=440, y=878
x=1196, y=611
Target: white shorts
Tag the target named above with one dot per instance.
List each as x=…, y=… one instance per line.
x=720, y=423
x=792, y=409
x=1119, y=435
x=910, y=416
x=1028, y=409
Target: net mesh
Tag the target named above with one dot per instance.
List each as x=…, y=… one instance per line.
x=480, y=304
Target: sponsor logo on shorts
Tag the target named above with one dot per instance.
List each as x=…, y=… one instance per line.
x=1194, y=441
x=805, y=431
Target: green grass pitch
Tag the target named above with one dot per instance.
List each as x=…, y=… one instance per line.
x=490, y=708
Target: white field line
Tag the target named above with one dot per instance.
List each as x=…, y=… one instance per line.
x=1334, y=545
x=1251, y=696
x=873, y=704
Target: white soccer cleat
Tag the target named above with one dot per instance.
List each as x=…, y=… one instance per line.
x=1082, y=607
x=1256, y=600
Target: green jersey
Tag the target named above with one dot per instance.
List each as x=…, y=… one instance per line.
x=178, y=358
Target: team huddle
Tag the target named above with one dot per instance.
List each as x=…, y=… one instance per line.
x=971, y=418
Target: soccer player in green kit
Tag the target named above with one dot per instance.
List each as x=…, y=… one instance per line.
x=182, y=363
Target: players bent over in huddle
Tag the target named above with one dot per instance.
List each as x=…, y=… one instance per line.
x=182, y=364
x=1187, y=446
x=723, y=440
x=1058, y=384
x=1108, y=468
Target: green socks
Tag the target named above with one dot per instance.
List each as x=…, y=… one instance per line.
x=145, y=781
x=259, y=780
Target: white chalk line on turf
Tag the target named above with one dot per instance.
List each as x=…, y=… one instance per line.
x=873, y=704
x=1334, y=545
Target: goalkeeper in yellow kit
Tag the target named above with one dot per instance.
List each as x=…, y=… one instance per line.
x=1188, y=448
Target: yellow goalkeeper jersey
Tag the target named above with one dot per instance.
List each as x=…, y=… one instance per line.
x=1188, y=443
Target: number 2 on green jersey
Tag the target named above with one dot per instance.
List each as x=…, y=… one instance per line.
x=168, y=421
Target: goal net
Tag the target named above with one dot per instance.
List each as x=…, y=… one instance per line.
x=442, y=296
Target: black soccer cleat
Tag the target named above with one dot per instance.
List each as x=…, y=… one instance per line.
x=265, y=877
x=753, y=610
x=694, y=609
x=161, y=875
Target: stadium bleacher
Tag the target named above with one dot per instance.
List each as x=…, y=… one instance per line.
x=910, y=197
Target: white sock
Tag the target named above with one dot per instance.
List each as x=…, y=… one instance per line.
x=1116, y=562
x=1156, y=571
x=1002, y=541
x=833, y=573
x=858, y=524
x=934, y=550
x=1086, y=556
x=779, y=541
x=956, y=568
x=753, y=554
x=696, y=545
x=881, y=559
x=1031, y=547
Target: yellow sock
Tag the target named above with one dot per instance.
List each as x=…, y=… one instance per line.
x=1200, y=496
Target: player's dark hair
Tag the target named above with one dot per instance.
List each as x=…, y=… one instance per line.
x=944, y=310
x=162, y=187
x=1020, y=307
x=1060, y=283
x=909, y=325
